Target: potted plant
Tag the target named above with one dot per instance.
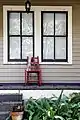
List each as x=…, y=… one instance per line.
x=17, y=112
x=54, y=108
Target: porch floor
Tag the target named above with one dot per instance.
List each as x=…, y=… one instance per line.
x=44, y=86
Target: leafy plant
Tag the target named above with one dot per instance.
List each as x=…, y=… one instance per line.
x=54, y=108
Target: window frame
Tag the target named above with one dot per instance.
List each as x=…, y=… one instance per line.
x=18, y=60
x=37, y=31
x=66, y=36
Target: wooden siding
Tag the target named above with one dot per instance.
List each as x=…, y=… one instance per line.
x=50, y=73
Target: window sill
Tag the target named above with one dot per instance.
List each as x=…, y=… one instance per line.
x=55, y=63
x=15, y=63
x=41, y=63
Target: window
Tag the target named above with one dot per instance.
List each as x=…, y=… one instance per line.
x=54, y=32
x=45, y=32
x=20, y=35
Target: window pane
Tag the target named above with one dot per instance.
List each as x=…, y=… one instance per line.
x=14, y=23
x=48, y=24
x=27, y=24
x=48, y=48
x=60, y=24
x=60, y=48
x=27, y=47
x=14, y=48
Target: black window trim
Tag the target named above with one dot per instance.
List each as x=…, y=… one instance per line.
x=54, y=60
x=8, y=36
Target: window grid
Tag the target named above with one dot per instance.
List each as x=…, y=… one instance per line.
x=8, y=16
x=42, y=35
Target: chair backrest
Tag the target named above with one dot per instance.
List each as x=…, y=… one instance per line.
x=34, y=60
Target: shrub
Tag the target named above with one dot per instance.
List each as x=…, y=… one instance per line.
x=54, y=108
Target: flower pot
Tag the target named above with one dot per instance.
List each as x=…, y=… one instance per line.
x=16, y=115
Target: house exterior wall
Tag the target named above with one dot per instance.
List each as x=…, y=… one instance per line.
x=50, y=73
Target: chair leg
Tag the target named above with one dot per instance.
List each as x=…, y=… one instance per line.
x=39, y=79
x=27, y=77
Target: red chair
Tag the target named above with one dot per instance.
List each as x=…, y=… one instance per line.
x=33, y=71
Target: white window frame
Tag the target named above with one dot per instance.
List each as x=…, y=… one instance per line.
x=37, y=31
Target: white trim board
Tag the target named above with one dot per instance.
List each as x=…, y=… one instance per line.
x=37, y=11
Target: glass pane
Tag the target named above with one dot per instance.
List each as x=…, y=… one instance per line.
x=48, y=48
x=14, y=48
x=27, y=24
x=48, y=24
x=14, y=24
x=60, y=48
x=27, y=47
x=60, y=24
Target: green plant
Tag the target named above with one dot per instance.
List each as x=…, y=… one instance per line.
x=54, y=108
